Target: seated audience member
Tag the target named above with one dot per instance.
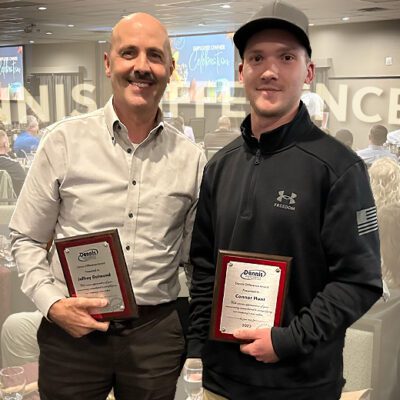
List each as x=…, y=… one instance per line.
x=178, y=123
x=377, y=138
x=385, y=185
x=223, y=124
x=187, y=130
x=393, y=141
x=18, y=338
x=10, y=165
x=345, y=136
x=223, y=135
x=27, y=141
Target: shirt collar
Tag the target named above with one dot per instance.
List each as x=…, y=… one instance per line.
x=114, y=125
x=375, y=147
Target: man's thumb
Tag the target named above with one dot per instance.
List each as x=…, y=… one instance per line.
x=93, y=303
x=244, y=334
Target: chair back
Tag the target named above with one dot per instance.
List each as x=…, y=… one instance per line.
x=7, y=193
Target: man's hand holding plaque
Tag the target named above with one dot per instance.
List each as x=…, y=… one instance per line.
x=94, y=267
x=73, y=315
x=249, y=293
x=257, y=343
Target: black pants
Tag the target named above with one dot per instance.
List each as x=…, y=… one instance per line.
x=139, y=359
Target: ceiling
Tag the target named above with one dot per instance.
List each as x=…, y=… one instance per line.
x=22, y=22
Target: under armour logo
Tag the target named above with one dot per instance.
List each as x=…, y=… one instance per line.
x=285, y=198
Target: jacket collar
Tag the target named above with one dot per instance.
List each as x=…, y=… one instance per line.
x=281, y=137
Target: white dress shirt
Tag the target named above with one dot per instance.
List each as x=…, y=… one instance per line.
x=373, y=152
x=87, y=176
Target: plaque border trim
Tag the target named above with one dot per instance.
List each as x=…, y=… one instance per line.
x=224, y=257
x=110, y=236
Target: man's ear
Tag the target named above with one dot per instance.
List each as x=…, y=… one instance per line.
x=171, y=69
x=107, y=66
x=241, y=72
x=310, y=72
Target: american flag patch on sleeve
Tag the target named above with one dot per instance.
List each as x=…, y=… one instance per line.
x=367, y=221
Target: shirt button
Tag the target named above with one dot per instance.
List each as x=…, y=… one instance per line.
x=133, y=183
x=128, y=248
x=130, y=215
x=129, y=150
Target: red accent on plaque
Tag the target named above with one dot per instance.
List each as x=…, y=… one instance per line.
x=112, y=238
x=224, y=257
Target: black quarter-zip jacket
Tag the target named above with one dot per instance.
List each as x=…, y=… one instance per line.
x=299, y=193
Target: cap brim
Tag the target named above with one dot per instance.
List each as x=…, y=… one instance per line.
x=244, y=33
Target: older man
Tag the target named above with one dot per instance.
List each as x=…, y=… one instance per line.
x=27, y=140
x=118, y=167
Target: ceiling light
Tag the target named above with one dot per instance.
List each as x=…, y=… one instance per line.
x=102, y=41
x=31, y=41
x=41, y=8
x=70, y=25
x=201, y=24
x=225, y=6
x=311, y=24
x=49, y=33
x=345, y=18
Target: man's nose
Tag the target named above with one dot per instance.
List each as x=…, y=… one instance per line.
x=142, y=63
x=271, y=70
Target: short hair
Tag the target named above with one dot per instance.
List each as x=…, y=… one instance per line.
x=224, y=122
x=31, y=121
x=345, y=136
x=378, y=135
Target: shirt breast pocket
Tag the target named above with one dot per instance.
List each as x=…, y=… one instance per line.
x=168, y=219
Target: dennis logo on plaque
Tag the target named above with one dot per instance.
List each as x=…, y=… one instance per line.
x=249, y=292
x=94, y=266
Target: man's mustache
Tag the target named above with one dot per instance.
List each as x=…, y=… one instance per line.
x=142, y=76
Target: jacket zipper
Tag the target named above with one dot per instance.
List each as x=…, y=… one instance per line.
x=258, y=154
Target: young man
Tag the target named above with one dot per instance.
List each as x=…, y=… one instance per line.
x=118, y=167
x=284, y=188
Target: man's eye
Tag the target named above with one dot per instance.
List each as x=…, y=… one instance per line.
x=288, y=57
x=156, y=56
x=127, y=55
x=256, y=58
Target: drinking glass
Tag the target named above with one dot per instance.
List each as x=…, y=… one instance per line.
x=7, y=255
x=12, y=383
x=192, y=379
x=3, y=240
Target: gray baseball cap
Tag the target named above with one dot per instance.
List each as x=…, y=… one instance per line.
x=274, y=15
